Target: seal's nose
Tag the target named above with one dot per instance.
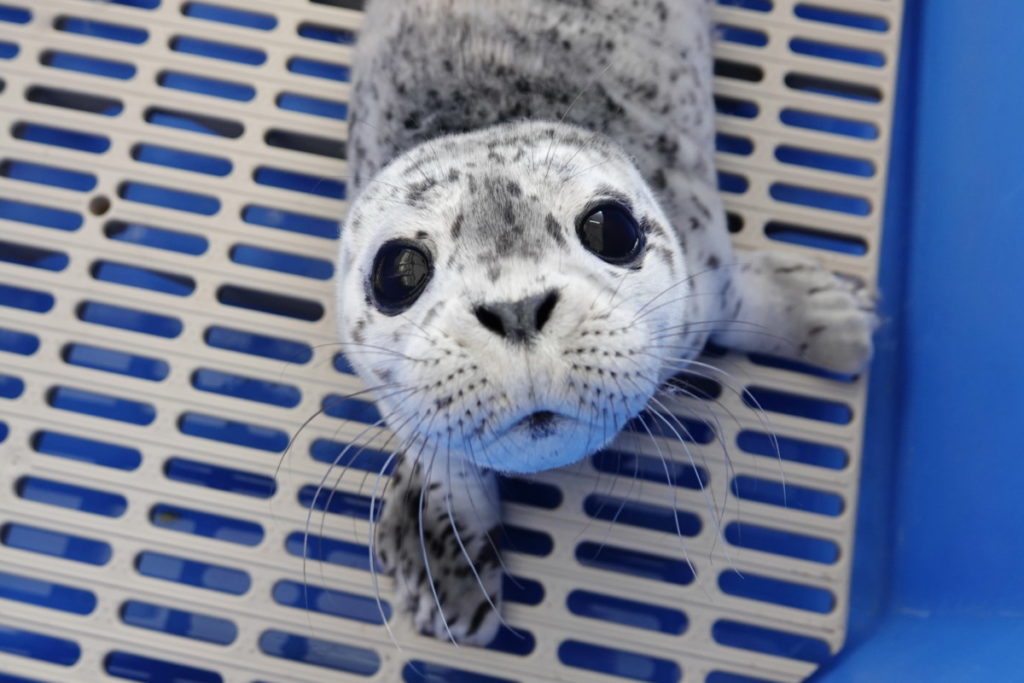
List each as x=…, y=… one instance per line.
x=518, y=321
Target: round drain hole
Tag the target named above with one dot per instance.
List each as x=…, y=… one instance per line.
x=99, y=205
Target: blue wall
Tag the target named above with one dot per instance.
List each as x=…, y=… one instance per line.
x=939, y=566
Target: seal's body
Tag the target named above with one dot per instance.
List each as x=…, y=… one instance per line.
x=536, y=242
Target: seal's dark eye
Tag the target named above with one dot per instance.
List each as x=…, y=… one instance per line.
x=401, y=270
x=611, y=232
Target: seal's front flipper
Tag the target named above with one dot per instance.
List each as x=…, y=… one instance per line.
x=437, y=537
x=792, y=306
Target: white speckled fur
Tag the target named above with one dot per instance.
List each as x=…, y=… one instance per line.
x=483, y=131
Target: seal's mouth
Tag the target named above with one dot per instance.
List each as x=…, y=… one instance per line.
x=540, y=440
x=532, y=435
x=537, y=426
x=540, y=424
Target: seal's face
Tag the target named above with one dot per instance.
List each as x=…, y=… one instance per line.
x=510, y=294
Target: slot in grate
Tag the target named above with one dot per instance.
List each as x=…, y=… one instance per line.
x=172, y=179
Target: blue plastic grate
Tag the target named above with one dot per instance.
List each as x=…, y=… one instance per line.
x=193, y=573
x=174, y=392
x=45, y=594
x=229, y=15
x=611, y=660
x=102, y=30
x=628, y=612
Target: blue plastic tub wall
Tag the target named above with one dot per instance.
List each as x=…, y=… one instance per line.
x=940, y=542
x=937, y=592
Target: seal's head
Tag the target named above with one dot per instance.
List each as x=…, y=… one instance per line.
x=511, y=294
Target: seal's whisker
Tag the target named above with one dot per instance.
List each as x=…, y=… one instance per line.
x=723, y=326
x=592, y=141
x=605, y=435
x=675, y=510
x=465, y=553
x=565, y=114
x=625, y=499
x=685, y=281
x=402, y=446
x=396, y=458
x=585, y=170
x=373, y=559
x=423, y=546
x=717, y=325
x=368, y=348
x=424, y=330
x=312, y=506
x=717, y=514
x=306, y=423
x=611, y=299
x=718, y=432
x=683, y=441
x=309, y=515
x=604, y=429
x=734, y=385
x=333, y=489
x=494, y=547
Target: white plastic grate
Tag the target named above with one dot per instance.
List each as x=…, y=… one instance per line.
x=170, y=192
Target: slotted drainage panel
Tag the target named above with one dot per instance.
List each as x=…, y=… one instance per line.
x=171, y=186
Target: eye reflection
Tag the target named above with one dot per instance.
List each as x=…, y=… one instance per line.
x=401, y=270
x=611, y=233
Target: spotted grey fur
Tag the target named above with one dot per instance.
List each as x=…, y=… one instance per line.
x=483, y=131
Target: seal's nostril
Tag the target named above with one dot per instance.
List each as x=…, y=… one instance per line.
x=490, y=320
x=517, y=321
x=545, y=309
